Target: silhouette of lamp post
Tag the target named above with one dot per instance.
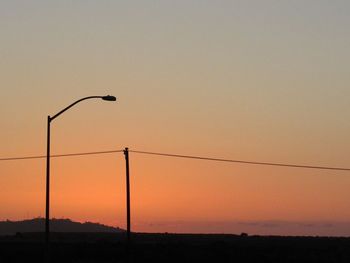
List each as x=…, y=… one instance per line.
x=49, y=120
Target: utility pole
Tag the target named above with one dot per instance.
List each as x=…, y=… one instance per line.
x=128, y=228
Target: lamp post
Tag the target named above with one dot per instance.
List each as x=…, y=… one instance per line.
x=49, y=120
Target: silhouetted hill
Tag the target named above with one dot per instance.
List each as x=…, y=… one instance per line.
x=56, y=225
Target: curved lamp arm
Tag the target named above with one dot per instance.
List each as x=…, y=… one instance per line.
x=108, y=98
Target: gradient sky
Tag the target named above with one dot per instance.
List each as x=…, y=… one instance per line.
x=252, y=80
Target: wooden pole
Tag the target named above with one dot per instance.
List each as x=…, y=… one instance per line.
x=128, y=226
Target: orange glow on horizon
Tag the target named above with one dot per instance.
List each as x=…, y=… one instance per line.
x=92, y=188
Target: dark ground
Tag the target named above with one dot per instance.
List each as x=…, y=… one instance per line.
x=84, y=247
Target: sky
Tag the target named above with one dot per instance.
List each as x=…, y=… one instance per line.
x=251, y=80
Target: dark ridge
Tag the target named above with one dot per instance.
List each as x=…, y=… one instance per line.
x=56, y=225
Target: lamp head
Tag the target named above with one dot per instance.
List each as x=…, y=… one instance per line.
x=109, y=98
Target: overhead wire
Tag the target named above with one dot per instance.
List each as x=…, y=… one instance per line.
x=243, y=162
x=290, y=165
x=58, y=155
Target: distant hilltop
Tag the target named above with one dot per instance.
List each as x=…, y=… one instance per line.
x=56, y=225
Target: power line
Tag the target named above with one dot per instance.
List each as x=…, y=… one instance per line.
x=58, y=155
x=183, y=156
x=244, y=162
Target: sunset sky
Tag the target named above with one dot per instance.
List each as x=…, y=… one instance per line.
x=252, y=80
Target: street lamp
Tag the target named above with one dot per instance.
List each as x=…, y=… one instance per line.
x=49, y=119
